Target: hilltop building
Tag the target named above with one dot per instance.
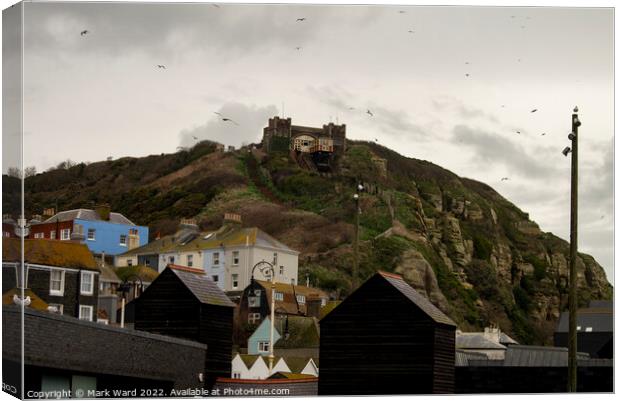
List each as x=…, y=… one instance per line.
x=322, y=144
x=595, y=330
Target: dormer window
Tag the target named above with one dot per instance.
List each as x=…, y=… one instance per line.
x=279, y=296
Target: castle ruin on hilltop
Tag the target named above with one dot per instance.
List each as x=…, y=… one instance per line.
x=314, y=148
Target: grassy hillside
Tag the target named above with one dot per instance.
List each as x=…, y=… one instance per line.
x=472, y=252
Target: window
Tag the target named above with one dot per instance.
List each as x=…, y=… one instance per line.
x=275, y=258
x=53, y=234
x=57, y=282
x=171, y=259
x=147, y=262
x=235, y=258
x=578, y=328
x=323, y=302
x=216, y=278
x=216, y=258
x=65, y=234
x=190, y=260
x=123, y=240
x=91, y=234
x=56, y=308
x=301, y=299
x=281, y=269
x=279, y=296
x=39, y=235
x=6, y=233
x=588, y=329
x=254, y=302
x=253, y=318
x=86, y=313
x=235, y=281
x=263, y=346
x=129, y=262
x=236, y=375
x=87, y=280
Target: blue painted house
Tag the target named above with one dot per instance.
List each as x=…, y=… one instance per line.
x=101, y=230
x=258, y=343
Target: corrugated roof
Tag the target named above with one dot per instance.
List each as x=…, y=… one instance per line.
x=88, y=214
x=421, y=302
x=50, y=253
x=462, y=357
x=203, y=288
x=475, y=341
x=529, y=355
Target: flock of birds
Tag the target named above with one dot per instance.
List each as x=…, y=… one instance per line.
x=225, y=119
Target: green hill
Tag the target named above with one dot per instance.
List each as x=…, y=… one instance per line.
x=469, y=250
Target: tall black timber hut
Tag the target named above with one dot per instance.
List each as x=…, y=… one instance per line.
x=183, y=302
x=386, y=338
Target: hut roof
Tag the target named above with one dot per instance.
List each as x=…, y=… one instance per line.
x=203, y=288
x=49, y=253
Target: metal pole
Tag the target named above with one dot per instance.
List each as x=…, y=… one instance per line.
x=356, y=242
x=572, y=294
x=273, y=307
x=123, y=311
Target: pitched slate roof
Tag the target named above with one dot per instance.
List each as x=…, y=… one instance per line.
x=49, y=253
x=600, y=319
x=462, y=357
x=421, y=302
x=108, y=274
x=88, y=214
x=303, y=333
x=475, y=341
x=232, y=235
x=203, y=288
x=506, y=339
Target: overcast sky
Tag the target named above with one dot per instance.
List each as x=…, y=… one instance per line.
x=455, y=90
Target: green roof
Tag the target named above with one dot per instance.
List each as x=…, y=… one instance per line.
x=303, y=332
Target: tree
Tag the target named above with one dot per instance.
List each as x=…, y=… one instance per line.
x=30, y=171
x=14, y=172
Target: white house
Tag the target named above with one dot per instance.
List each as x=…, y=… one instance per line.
x=257, y=367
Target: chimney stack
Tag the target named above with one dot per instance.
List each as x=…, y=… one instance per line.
x=313, y=305
x=49, y=212
x=103, y=211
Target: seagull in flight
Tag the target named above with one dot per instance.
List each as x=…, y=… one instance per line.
x=195, y=137
x=401, y=12
x=301, y=19
x=410, y=31
x=534, y=111
x=369, y=113
x=219, y=114
x=519, y=132
x=225, y=119
x=84, y=32
x=466, y=75
x=215, y=5
x=505, y=178
x=298, y=48
x=161, y=66
x=543, y=134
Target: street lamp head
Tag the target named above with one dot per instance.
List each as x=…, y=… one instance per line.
x=566, y=151
x=572, y=136
x=576, y=109
x=356, y=196
x=360, y=187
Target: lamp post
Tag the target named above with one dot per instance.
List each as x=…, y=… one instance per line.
x=572, y=273
x=124, y=288
x=356, y=197
x=272, y=274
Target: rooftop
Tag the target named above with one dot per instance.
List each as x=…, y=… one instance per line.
x=49, y=253
x=203, y=288
x=88, y=214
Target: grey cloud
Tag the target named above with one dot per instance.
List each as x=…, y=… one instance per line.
x=385, y=121
x=165, y=30
x=251, y=120
x=446, y=103
x=495, y=149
